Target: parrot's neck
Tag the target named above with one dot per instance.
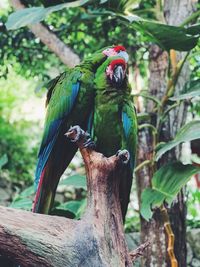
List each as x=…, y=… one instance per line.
x=93, y=62
x=106, y=91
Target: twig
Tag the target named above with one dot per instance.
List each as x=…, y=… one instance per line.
x=138, y=252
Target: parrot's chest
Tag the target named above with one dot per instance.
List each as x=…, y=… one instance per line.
x=108, y=128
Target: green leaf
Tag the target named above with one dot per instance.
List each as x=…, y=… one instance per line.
x=77, y=181
x=195, y=158
x=27, y=192
x=103, y=1
x=143, y=118
x=72, y=206
x=149, y=199
x=22, y=203
x=81, y=209
x=171, y=37
x=191, y=89
x=188, y=132
x=167, y=36
x=166, y=184
x=34, y=15
x=153, y=98
x=23, y=200
x=3, y=160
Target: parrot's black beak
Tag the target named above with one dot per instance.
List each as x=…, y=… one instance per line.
x=118, y=76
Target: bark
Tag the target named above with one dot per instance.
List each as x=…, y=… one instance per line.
x=175, y=12
x=96, y=240
x=65, y=54
x=156, y=255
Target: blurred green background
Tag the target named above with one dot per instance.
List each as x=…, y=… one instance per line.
x=26, y=63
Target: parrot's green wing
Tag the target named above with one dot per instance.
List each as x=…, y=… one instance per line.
x=60, y=103
x=130, y=127
x=129, y=122
x=50, y=85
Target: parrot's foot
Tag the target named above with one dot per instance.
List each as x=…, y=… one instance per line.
x=124, y=155
x=89, y=143
x=76, y=134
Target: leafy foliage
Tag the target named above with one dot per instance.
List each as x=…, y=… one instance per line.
x=193, y=218
x=166, y=184
x=77, y=181
x=168, y=37
x=188, y=132
x=34, y=15
x=71, y=209
x=20, y=157
x=190, y=90
x=75, y=207
x=3, y=160
x=24, y=199
x=18, y=132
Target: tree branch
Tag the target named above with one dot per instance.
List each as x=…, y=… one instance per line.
x=65, y=54
x=96, y=240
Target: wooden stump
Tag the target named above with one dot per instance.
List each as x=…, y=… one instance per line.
x=97, y=240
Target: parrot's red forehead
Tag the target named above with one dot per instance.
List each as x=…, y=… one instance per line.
x=119, y=48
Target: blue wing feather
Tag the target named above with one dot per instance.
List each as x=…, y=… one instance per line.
x=129, y=121
x=53, y=130
x=127, y=126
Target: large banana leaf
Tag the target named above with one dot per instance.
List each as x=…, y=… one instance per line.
x=167, y=36
x=188, y=132
x=166, y=184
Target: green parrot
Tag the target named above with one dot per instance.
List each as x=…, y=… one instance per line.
x=115, y=123
x=70, y=101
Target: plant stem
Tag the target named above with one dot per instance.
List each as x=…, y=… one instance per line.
x=193, y=16
x=170, y=236
x=141, y=165
x=148, y=125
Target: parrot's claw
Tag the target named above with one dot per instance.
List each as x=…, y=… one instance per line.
x=124, y=155
x=78, y=133
x=89, y=143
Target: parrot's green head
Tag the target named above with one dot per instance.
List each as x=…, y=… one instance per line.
x=116, y=72
x=112, y=74
x=117, y=67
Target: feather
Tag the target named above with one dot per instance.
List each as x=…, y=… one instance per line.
x=53, y=130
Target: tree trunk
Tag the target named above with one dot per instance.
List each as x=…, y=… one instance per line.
x=175, y=12
x=154, y=230
x=96, y=240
